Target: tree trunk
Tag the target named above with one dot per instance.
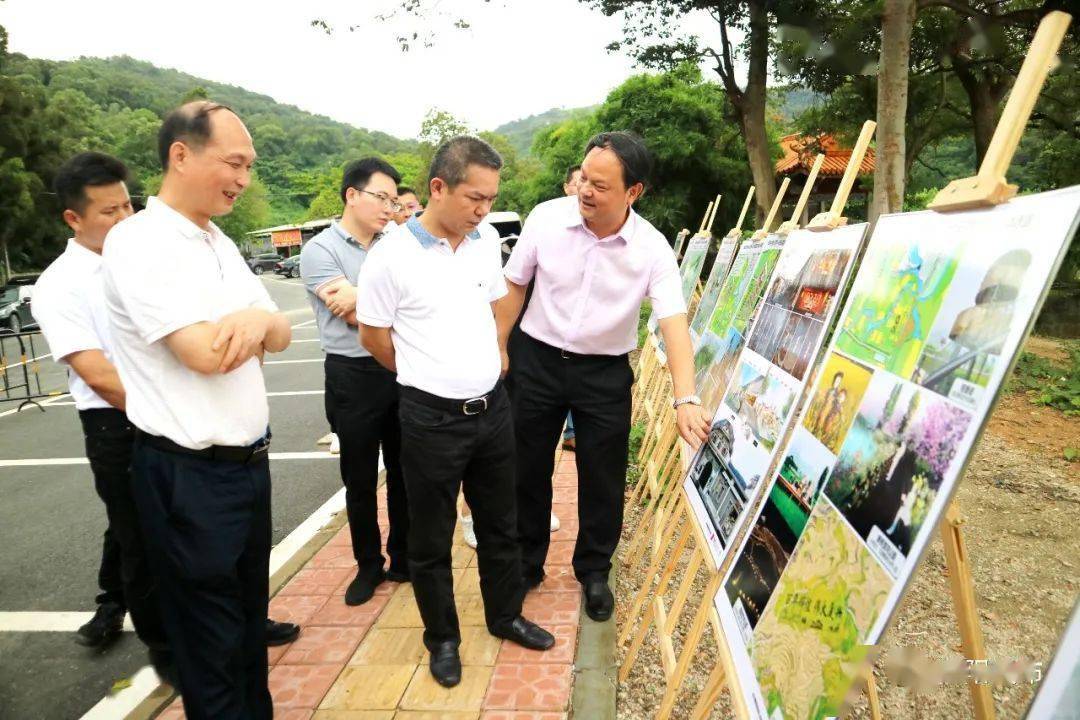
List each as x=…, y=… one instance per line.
x=898, y=18
x=984, y=107
x=752, y=109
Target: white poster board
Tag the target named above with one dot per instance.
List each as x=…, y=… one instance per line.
x=936, y=315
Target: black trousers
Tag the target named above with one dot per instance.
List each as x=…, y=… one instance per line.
x=596, y=389
x=207, y=529
x=440, y=453
x=362, y=407
x=124, y=575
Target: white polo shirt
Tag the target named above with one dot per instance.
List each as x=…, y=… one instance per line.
x=69, y=305
x=162, y=273
x=437, y=303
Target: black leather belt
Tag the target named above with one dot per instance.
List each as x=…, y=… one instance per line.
x=365, y=361
x=243, y=454
x=567, y=355
x=466, y=407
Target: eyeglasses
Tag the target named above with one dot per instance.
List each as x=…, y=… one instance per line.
x=387, y=202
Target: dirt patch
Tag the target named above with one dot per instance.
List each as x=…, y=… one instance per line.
x=1021, y=500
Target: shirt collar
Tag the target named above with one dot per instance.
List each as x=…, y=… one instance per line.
x=425, y=238
x=182, y=224
x=83, y=254
x=574, y=220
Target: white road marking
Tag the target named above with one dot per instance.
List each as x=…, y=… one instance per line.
x=51, y=401
x=306, y=340
x=39, y=357
x=304, y=324
x=121, y=704
x=45, y=462
x=48, y=621
x=283, y=393
x=292, y=362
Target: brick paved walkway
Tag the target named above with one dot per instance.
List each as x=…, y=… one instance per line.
x=369, y=662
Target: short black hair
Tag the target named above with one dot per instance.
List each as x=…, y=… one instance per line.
x=189, y=124
x=635, y=158
x=358, y=173
x=570, y=173
x=406, y=190
x=453, y=158
x=87, y=169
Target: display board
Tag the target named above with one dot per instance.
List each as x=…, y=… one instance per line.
x=724, y=333
x=1058, y=696
x=771, y=374
x=936, y=315
x=724, y=255
x=693, y=261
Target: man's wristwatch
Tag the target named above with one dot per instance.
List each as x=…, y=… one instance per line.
x=688, y=400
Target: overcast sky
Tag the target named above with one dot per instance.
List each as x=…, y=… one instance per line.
x=518, y=58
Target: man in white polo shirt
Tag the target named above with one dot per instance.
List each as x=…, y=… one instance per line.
x=190, y=323
x=426, y=310
x=70, y=307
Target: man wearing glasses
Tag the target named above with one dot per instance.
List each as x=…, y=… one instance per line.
x=361, y=396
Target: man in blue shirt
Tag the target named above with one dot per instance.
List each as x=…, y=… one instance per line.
x=361, y=395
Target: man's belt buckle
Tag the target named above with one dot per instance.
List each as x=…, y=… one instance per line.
x=475, y=406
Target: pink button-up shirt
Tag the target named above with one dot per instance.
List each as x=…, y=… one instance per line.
x=589, y=290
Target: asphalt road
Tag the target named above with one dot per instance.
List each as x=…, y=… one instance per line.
x=51, y=522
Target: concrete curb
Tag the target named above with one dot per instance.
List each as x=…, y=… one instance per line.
x=595, y=667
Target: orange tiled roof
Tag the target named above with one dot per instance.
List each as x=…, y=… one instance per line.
x=799, y=153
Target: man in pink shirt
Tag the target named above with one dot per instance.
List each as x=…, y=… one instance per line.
x=593, y=260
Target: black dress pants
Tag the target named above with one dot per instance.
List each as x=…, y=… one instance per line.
x=207, y=529
x=596, y=389
x=124, y=576
x=362, y=407
x=440, y=452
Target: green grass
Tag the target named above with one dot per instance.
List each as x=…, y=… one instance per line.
x=633, y=471
x=643, y=323
x=1050, y=383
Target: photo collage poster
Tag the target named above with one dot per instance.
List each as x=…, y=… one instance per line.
x=713, y=285
x=773, y=369
x=937, y=313
x=724, y=333
x=689, y=272
x=693, y=261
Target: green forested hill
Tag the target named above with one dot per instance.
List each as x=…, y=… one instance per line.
x=53, y=109
x=521, y=132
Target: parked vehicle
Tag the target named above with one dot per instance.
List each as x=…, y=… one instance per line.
x=289, y=267
x=15, y=315
x=263, y=261
x=508, y=225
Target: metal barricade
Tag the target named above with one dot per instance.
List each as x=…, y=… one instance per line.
x=20, y=372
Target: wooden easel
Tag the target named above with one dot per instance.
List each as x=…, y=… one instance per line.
x=736, y=231
x=764, y=231
x=834, y=216
x=793, y=223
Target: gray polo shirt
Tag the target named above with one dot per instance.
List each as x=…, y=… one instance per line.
x=330, y=255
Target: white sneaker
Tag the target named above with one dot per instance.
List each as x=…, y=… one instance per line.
x=335, y=444
x=468, y=532
x=325, y=439
x=555, y=524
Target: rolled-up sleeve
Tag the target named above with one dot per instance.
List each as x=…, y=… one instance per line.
x=665, y=285
x=521, y=267
x=318, y=267
x=377, y=292
x=65, y=321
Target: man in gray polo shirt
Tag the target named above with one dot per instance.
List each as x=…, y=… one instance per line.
x=361, y=395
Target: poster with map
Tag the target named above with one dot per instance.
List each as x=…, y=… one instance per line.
x=799, y=302
x=935, y=318
x=713, y=286
x=724, y=334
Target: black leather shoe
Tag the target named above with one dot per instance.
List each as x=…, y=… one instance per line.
x=103, y=628
x=446, y=664
x=599, y=602
x=280, y=633
x=362, y=588
x=527, y=635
